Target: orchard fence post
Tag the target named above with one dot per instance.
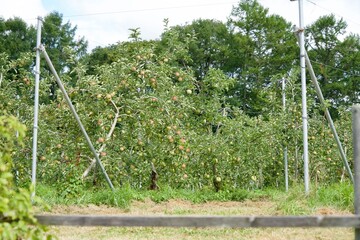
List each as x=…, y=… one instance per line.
x=356, y=144
x=36, y=106
x=301, y=36
x=326, y=110
x=285, y=149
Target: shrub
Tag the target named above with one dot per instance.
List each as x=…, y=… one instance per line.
x=17, y=219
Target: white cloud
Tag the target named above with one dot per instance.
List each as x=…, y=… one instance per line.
x=119, y=16
x=28, y=10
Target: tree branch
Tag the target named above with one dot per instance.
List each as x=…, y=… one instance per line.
x=108, y=136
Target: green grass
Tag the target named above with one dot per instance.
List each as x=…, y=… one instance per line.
x=339, y=195
x=122, y=197
x=295, y=202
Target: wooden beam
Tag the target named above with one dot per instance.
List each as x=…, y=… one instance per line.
x=201, y=221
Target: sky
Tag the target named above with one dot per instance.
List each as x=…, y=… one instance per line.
x=105, y=22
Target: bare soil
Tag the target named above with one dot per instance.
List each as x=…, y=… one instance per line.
x=181, y=207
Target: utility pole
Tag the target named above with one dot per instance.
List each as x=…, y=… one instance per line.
x=303, y=96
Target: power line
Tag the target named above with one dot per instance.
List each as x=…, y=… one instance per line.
x=336, y=68
x=336, y=14
x=150, y=9
x=141, y=10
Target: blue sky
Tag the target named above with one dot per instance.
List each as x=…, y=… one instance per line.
x=104, y=22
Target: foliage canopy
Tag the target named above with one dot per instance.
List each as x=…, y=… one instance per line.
x=201, y=106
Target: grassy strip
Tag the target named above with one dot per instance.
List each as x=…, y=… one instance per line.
x=295, y=202
x=338, y=196
x=122, y=197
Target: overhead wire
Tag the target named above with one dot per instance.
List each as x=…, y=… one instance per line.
x=179, y=7
x=143, y=10
x=338, y=15
x=140, y=10
x=336, y=68
x=150, y=9
x=197, y=5
x=330, y=11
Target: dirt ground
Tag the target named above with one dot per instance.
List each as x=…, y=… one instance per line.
x=180, y=207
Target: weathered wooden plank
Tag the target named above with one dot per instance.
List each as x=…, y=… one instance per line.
x=201, y=221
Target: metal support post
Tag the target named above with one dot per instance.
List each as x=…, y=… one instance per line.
x=286, y=169
x=328, y=116
x=61, y=86
x=303, y=97
x=36, y=106
x=286, y=172
x=356, y=143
